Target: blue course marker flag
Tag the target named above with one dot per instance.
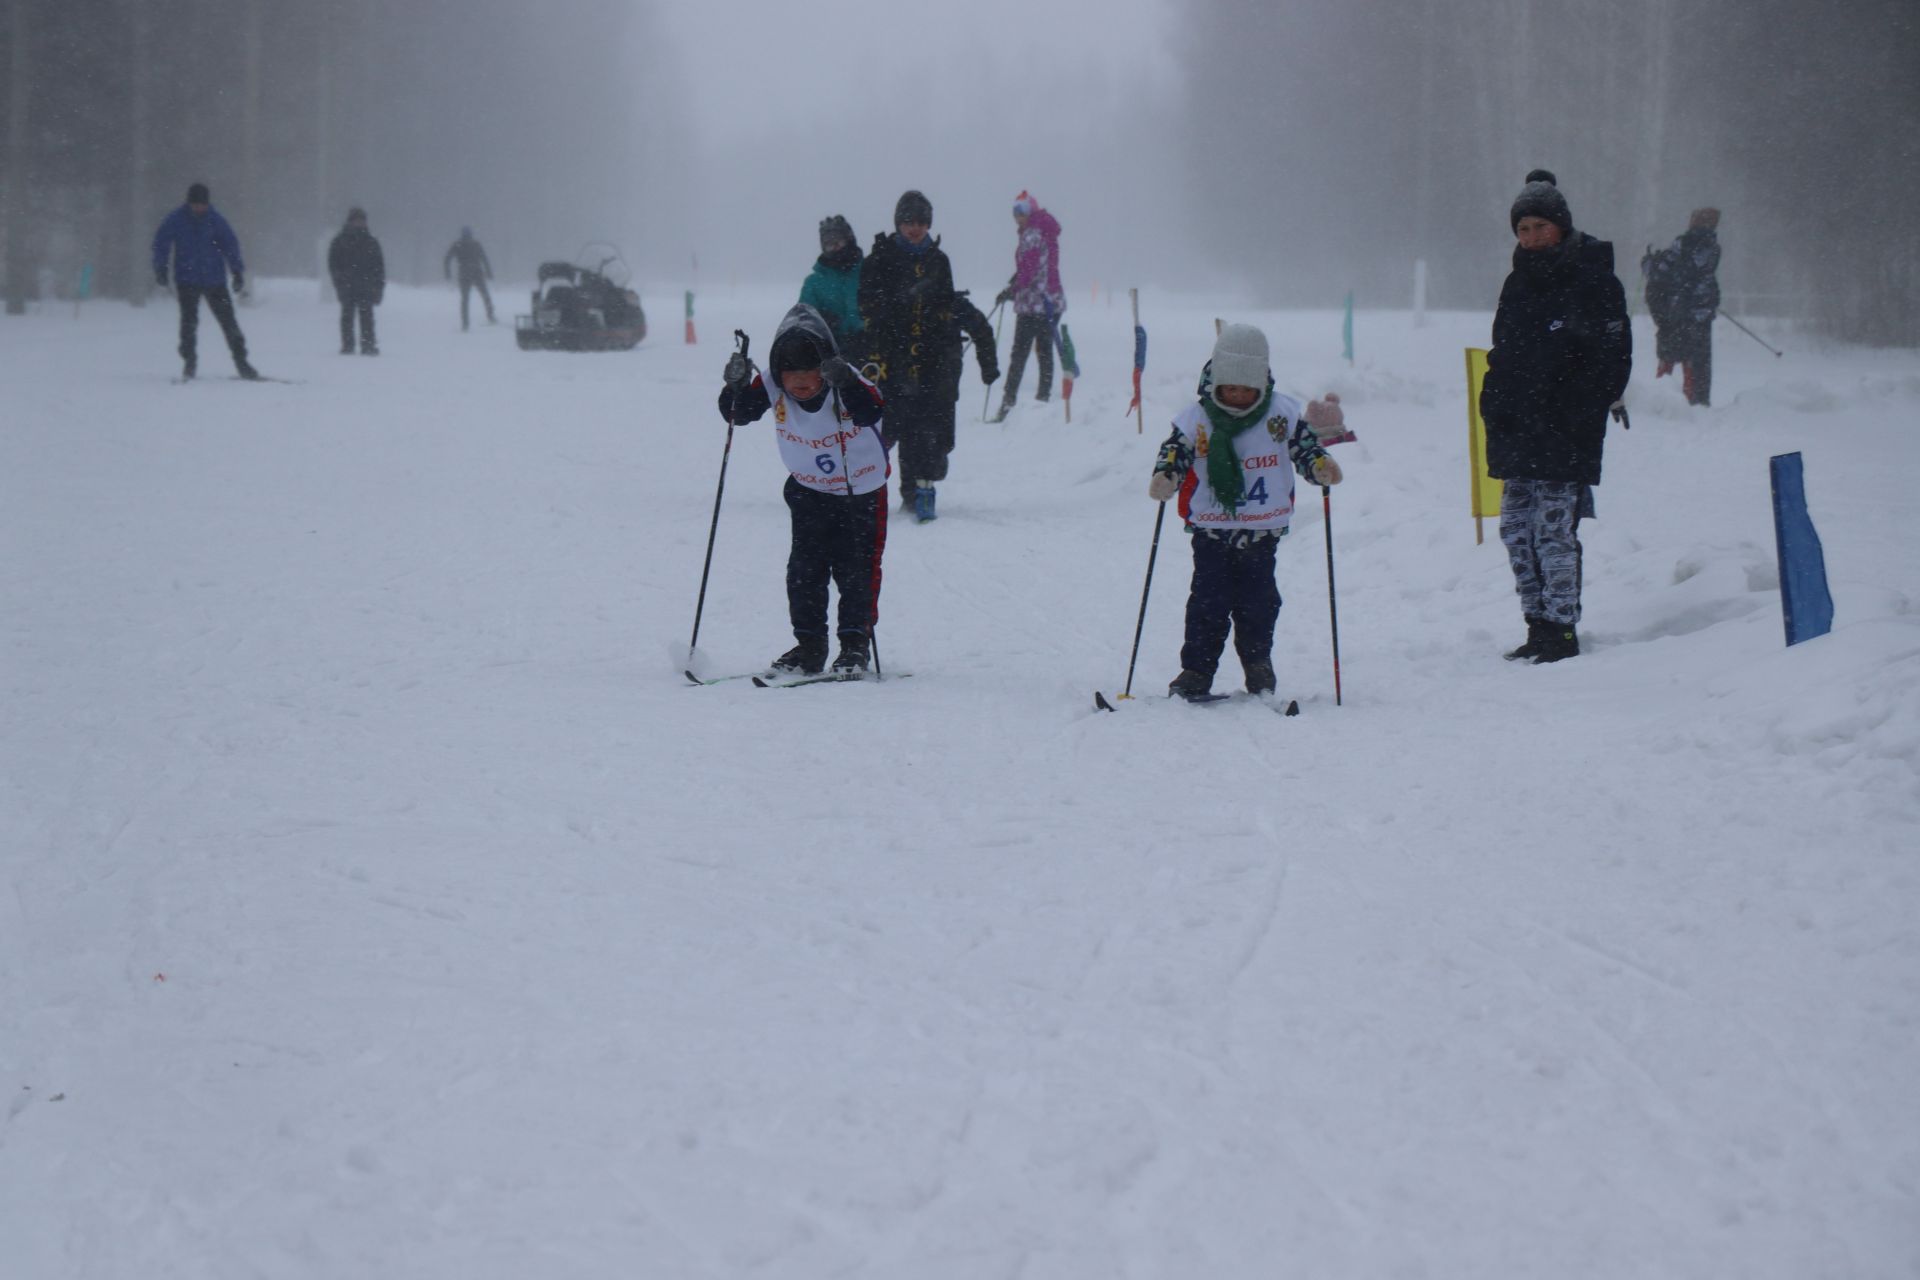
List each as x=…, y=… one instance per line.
x=1804, y=599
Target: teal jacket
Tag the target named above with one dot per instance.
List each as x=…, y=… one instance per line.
x=835, y=293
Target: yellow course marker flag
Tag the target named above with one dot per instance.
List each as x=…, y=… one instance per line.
x=1486, y=490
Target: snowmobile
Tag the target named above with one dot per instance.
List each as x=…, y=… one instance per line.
x=579, y=308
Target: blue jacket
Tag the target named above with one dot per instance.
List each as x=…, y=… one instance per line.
x=203, y=249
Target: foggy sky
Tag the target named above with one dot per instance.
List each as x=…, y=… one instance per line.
x=1283, y=151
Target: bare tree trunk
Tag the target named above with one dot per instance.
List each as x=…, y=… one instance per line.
x=15, y=213
x=138, y=245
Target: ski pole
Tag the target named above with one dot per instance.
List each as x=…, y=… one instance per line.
x=846, y=474
x=733, y=418
x=1139, y=626
x=987, y=399
x=1750, y=333
x=1333, y=609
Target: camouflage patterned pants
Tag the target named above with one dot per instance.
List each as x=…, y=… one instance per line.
x=1540, y=523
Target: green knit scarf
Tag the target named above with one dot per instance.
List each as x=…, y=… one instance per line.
x=1224, y=473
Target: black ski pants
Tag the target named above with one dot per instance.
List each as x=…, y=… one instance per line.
x=360, y=305
x=1233, y=588
x=220, y=302
x=1035, y=332
x=838, y=539
x=467, y=285
x=921, y=423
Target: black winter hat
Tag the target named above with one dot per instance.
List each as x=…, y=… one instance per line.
x=794, y=351
x=1541, y=198
x=913, y=207
x=835, y=228
x=198, y=194
x=356, y=214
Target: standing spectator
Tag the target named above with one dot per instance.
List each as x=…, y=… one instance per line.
x=202, y=249
x=359, y=272
x=906, y=303
x=833, y=287
x=1561, y=354
x=1038, y=300
x=1683, y=296
x=475, y=271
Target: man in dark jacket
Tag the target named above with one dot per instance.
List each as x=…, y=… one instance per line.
x=1683, y=296
x=475, y=271
x=202, y=249
x=1561, y=354
x=359, y=272
x=906, y=303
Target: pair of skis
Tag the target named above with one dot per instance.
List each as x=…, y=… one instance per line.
x=776, y=680
x=1288, y=708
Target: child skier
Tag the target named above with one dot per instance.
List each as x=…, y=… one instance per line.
x=827, y=419
x=1228, y=459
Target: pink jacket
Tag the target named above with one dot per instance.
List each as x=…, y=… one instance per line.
x=1036, y=267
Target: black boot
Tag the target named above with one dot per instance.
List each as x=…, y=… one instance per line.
x=245, y=370
x=854, y=652
x=1260, y=677
x=1558, y=641
x=1191, y=684
x=1536, y=632
x=808, y=658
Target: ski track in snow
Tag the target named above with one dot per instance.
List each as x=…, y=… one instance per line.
x=379, y=899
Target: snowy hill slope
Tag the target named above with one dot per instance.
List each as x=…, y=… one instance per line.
x=380, y=900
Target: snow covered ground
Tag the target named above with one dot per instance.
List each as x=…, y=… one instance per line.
x=381, y=901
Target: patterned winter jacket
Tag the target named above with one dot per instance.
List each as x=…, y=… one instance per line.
x=1036, y=267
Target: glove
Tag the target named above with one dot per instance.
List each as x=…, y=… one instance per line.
x=1326, y=472
x=239, y=284
x=1005, y=295
x=160, y=278
x=738, y=373
x=989, y=373
x=838, y=373
x=1325, y=413
x=1162, y=486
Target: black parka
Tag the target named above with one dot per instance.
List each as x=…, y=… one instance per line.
x=1562, y=352
x=358, y=268
x=906, y=301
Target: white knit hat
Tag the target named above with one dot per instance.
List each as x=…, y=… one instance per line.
x=1240, y=357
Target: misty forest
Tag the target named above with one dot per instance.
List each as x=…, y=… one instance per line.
x=1378, y=134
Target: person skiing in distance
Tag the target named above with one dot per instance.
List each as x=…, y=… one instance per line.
x=475, y=271
x=833, y=287
x=1038, y=300
x=1231, y=459
x=1561, y=355
x=1683, y=296
x=828, y=421
x=359, y=272
x=202, y=249
x=906, y=302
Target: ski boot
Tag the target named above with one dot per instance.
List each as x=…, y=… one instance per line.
x=923, y=503
x=1260, y=677
x=854, y=653
x=1536, y=632
x=1190, y=684
x=245, y=370
x=188, y=367
x=1000, y=414
x=808, y=658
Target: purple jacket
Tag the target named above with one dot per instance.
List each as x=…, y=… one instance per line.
x=1036, y=267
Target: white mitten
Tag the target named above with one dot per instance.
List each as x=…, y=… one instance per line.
x=1162, y=487
x=1325, y=412
x=1326, y=472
